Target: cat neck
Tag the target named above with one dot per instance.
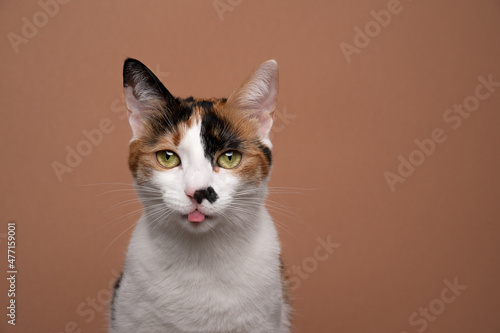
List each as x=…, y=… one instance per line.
x=225, y=243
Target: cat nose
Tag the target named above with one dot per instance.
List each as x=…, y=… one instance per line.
x=208, y=193
x=190, y=192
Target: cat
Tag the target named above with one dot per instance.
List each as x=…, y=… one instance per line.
x=205, y=255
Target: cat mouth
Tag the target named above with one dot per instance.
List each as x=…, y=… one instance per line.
x=196, y=216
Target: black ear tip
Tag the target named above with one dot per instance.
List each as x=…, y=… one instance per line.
x=135, y=72
x=131, y=63
x=131, y=66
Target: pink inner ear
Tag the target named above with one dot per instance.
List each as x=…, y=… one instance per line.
x=136, y=125
x=265, y=124
x=257, y=95
x=268, y=103
x=263, y=110
x=136, y=112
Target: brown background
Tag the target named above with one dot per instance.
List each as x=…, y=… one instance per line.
x=345, y=125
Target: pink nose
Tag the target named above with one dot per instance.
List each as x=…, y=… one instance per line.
x=190, y=192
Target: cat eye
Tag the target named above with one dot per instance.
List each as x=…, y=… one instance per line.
x=229, y=160
x=167, y=159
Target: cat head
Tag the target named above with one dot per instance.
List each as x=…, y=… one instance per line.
x=199, y=163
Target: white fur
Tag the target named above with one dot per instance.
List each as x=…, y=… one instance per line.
x=221, y=275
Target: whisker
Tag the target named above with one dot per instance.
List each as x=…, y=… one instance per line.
x=116, y=238
x=119, y=218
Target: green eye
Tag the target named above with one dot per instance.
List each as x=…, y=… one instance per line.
x=229, y=160
x=167, y=159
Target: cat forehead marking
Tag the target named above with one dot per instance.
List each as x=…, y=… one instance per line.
x=191, y=149
x=215, y=131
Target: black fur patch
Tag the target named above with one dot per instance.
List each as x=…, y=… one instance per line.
x=217, y=134
x=167, y=120
x=201, y=103
x=208, y=193
x=115, y=289
x=267, y=152
x=179, y=110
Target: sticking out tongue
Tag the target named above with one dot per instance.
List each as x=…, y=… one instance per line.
x=196, y=216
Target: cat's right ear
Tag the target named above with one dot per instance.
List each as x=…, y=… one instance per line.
x=144, y=94
x=256, y=98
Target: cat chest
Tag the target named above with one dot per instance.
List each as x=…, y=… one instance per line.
x=201, y=301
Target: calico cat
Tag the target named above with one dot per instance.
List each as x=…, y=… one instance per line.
x=205, y=255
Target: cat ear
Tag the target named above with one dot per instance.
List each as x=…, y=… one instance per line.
x=256, y=97
x=144, y=93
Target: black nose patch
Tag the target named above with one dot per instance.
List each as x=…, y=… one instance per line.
x=208, y=193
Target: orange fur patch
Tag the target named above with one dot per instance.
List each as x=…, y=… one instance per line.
x=254, y=167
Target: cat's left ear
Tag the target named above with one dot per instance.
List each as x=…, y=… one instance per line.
x=256, y=97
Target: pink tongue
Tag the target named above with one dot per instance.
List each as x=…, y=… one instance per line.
x=196, y=216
